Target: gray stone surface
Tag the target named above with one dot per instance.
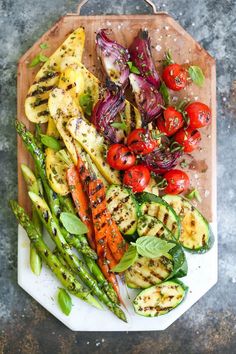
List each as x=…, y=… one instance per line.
x=210, y=326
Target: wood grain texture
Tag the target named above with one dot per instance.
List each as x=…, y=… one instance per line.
x=165, y=34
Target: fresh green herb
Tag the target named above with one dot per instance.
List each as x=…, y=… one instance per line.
x=168, y=59
x=39, y=58
x=165, y=93
x=86, y=103
x=180, y=105
x=64, y=301
x=119, y=125
x=43, y=46
x=194, y=194
x=176, y=147
x=156, y=135
x=153, y=247
x=196, y=75
x=73, y=224
x=133, y=69
x=50, y=142
x=129, y=258
x=183, y=164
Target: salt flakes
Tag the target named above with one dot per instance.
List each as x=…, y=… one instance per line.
x=158, y=48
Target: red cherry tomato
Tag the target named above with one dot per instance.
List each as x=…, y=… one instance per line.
x=120, y=157
x=175, y=77
x=177, y=182
x=171, y=122
x=141, y=142
x=199, y=115
x=189, y=138
x=137, y=178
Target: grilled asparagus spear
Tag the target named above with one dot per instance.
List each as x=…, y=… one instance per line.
x=74, y=263
x=65, y=277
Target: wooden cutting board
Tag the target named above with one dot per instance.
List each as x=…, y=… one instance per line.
x=165, y=34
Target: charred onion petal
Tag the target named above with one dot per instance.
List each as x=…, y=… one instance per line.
x=147, y=97
x=105, y=112
x=114, y=58
x=140, y=54
x=162, y=158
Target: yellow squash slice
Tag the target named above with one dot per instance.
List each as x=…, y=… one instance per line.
x=56, y=172
x=69, y=53
x=93, y=143
x=62, y=108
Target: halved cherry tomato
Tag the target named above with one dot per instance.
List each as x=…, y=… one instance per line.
x=120, y=157
x=199, y=115
x=171, y=122
x=177, y=182
x=137, y=178
x=189, y=138
x=175, y=77
x=141, y=142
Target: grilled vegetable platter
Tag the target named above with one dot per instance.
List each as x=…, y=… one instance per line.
x=105, y=184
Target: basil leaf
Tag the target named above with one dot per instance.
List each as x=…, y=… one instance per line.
x=153, y=247
x=194, y=194
x=168, y=59
x=64, y=301
x=180, y=266
x=119, y=125
x=196, y=75
x=86, y=103
x=130, y=256
x=39, y=58
x=133, y=68
x=43, y=46
x=50, y=142
x=73, y=224
x=165, y=93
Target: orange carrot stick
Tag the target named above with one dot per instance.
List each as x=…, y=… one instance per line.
x=81, y=202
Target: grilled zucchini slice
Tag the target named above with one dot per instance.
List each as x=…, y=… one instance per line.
x=195, y=232
x=151, y=226
x=94, y=144
x=159, y=299
x=164, y=213
x=147, y=272
x=70, y=52
x=123, y=208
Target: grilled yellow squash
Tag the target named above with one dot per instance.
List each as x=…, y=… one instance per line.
x=69, y=53
x=62, y=107
x=56, y=172
x=93, y=143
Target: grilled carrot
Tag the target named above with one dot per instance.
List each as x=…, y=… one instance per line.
x=81, y=202
x=83, y=172
x=115, y=241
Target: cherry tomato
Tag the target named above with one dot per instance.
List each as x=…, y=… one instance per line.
x=171, y=122
x=177, y=182
x=199, y=115
x=175, y=77
x=137, y=178
x=189, y=138
x=141, y=142
x=120, y=157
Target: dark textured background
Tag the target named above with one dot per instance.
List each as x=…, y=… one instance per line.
x=210, y=326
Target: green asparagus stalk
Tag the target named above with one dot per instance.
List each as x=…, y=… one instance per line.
x=67, y=206
x=65, y=277
x=33, y=186
x=39, y=160
x=53, y=200
x=74, y=263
